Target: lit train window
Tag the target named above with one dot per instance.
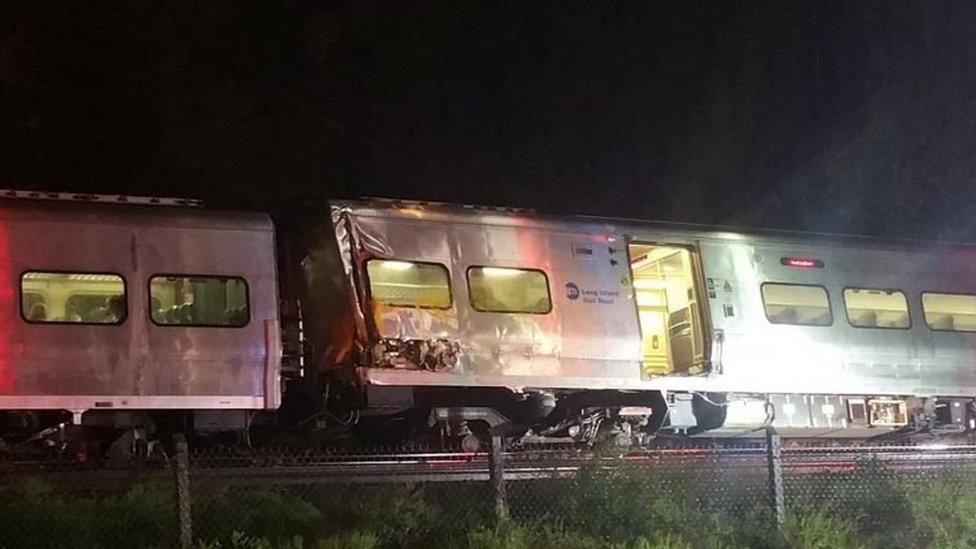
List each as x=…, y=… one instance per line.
x=796, y=304
x=409, y=283
x=72, y=298
x=868, y=308
x=504, y=290
x=950, y=312
x=199, y=301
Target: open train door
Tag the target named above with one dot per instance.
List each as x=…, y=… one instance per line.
x=668, y=308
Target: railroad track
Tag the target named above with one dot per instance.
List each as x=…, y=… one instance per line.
x=269, y=469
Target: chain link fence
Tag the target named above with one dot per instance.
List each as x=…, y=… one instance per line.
x=691, y=496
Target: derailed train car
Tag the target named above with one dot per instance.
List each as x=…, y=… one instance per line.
x=124, y=319
x=481, y=318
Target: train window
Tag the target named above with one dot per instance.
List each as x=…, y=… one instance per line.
x=950, y=312
x=867, y=308
x=796, y=304
x=409, y=283
x=200, y=301
x=504, y=290
x=72, y=298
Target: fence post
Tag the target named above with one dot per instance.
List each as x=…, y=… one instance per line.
x=773, y=463
x=182, y=470
x=496, y=472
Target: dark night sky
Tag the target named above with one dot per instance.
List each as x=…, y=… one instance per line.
x=837, y=116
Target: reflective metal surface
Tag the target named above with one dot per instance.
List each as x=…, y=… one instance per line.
x=595, y=342
x=136, y=364
x=508, y=349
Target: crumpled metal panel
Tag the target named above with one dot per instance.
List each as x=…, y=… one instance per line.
x=591, y=340
x=405, y=240
x=590, y=333
x=335, y=325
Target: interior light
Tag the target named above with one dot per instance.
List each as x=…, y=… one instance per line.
x=411, y=211
x=499, y=271
x=397, y=265
x=649, y=284
x=802, y=262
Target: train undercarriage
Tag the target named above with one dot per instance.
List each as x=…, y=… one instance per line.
x=467, y=418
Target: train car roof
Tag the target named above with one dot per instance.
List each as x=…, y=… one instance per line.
x=108, y=213
x=456, y=213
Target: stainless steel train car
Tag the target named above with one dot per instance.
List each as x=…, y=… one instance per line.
x=572, y=326
x=117, y=311
x=431, y=318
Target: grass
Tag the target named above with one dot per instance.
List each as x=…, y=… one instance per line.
x=623, y=507
x=36, y=515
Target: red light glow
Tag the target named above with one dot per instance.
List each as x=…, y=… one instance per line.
x=802, y=262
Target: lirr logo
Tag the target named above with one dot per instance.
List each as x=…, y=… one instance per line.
x=572, y=291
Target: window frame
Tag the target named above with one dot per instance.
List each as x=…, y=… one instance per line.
x=847, y=310
x=830, y=306
x=921, y=304
x=20, y=298
x=442, y=266
x=149, y=296
x=467, y=279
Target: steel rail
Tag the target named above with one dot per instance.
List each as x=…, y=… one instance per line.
x=263, y=469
